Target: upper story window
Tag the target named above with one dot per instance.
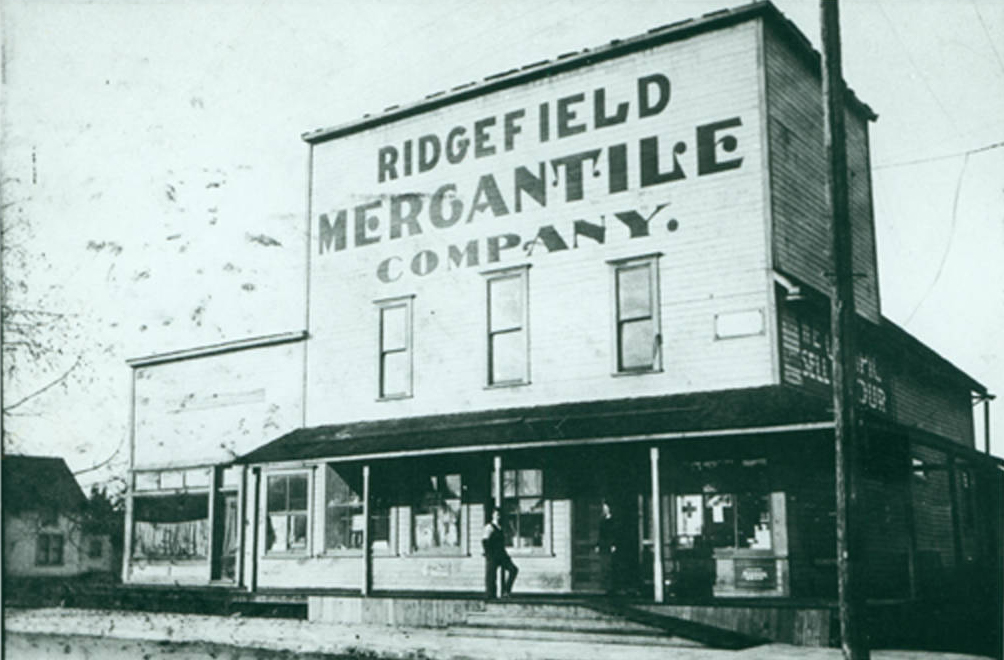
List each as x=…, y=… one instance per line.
x=508, y=320
x=638, y=341
x=286, y=515
x=395, y=367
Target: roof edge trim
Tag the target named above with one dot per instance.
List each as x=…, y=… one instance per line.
x=217, y=349
x=537, y=444
x=614, y=49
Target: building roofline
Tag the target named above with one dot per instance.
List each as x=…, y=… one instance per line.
x=658, y=36
x=217, y=349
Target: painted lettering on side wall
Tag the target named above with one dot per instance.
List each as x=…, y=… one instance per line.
x=812, y=365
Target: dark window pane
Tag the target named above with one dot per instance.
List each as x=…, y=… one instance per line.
x=277, y=493
x=298, y=531
x=297, y=492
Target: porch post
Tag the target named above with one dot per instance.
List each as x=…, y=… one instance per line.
x=127, y=539
x=658, y=578
x=242, y=488
x=367, y=555
x=214, y=485
x=497, y=481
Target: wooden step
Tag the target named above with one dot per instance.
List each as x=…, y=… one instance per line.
x=543, y=610
x=624, y=640
x=584, y=624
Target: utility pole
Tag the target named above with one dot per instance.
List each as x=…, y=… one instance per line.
x=853, y=637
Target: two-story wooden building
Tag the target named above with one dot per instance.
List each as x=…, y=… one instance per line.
x=597, y=278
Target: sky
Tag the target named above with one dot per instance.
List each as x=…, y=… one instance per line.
x=154, y=180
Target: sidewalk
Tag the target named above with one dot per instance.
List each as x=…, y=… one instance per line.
x=382, y=642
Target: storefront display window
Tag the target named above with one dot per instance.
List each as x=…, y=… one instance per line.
x=171, y=526
x=523, y=507
x=343, y=508
x=728, y=506
x=286, y=522
x=436, y=513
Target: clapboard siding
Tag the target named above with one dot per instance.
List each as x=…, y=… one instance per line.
x=713, y=260
x=799, y=207
x=933, y=403
x=932, y=505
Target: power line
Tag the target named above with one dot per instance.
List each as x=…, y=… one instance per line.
x=948, y=246
x=920, y=72
x=968, y=152
x=990, y=39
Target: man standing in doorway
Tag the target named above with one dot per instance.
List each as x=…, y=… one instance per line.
x=607, y=546
x=496, y=557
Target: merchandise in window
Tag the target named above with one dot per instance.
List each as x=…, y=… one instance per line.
x=49, y=550
x=286, y=519
x=343, y=515
x=171, y=527
x=507, y=322
x=638, y=342
x=395, y=348
x=523, y=508
x=436, y=513
x=732, y=509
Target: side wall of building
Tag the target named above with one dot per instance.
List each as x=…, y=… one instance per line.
x=22, y=555
x=800, y=216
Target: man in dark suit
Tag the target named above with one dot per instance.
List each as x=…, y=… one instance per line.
x=497, y=557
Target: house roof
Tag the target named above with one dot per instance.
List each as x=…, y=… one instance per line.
x=721, y=412
x=670, y=32
x=33, y=482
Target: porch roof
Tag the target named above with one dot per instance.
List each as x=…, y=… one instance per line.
x=573, y=423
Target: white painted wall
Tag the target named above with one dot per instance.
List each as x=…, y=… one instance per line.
x=714, y=262
x=213, y=408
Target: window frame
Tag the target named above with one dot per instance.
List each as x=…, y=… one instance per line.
x=391, y=514
x=545, y=548
x=382, y=305
x=44, y=557
x=307, y=473
x=618, y=266
x=521, y=273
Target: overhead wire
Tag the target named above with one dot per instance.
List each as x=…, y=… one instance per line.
x=968, y=152
x=948, y=245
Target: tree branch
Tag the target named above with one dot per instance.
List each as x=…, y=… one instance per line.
x=55, y=382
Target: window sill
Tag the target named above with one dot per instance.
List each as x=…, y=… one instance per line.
x=157, y=561
x=529, y=552
x=394, y=397
x=729, y=553
x=342, y=553
x=437, y=554
x=507, y=384
x=636, y=372
x=286, y=555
